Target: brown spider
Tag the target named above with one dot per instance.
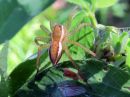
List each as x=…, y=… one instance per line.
x=58, y=44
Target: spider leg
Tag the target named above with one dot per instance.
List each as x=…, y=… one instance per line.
x=75, y=30
x=40, y=47
x=45, y=29
x=42, y=39
x=52, y=24
x=84, y=48
x=70, y=18
x=65, y=48
x=39, y=54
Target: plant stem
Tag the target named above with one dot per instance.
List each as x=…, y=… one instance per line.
x=93, y=19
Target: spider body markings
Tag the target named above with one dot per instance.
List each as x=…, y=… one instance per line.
x=57, y=39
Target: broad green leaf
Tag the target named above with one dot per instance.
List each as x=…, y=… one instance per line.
x=23, y=71
x=106, y=81
x=84, y=35
x=16, y=13
x=104, y=3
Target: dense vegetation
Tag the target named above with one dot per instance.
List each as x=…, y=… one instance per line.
x=106, y=75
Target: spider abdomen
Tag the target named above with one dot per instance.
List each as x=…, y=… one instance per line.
x=55, y=52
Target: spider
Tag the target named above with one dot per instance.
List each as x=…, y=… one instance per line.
x=59, y=38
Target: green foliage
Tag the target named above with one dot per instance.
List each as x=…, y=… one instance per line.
x=104, y=81
x=83, y=3
x=3, y=71
x=128, y=54
x=110, y=82
x=48, y=86
x=93, y=3
x=3, y=58
x=121, y=7
x=14, y=14
x=104, y=3
x=118, y=14
x=28, y=67
x=106, y=75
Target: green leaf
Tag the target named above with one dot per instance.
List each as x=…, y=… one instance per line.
x=106, y=82
x=77, y=19
x=82, y=3
x=23, y=71
x=124, y=40
x=3, y=85
x=93, y=3
x=105, y=3
x=128, y=54
x=84, y=35
x=3, y=70
x=16, y=13
x=3, y=58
